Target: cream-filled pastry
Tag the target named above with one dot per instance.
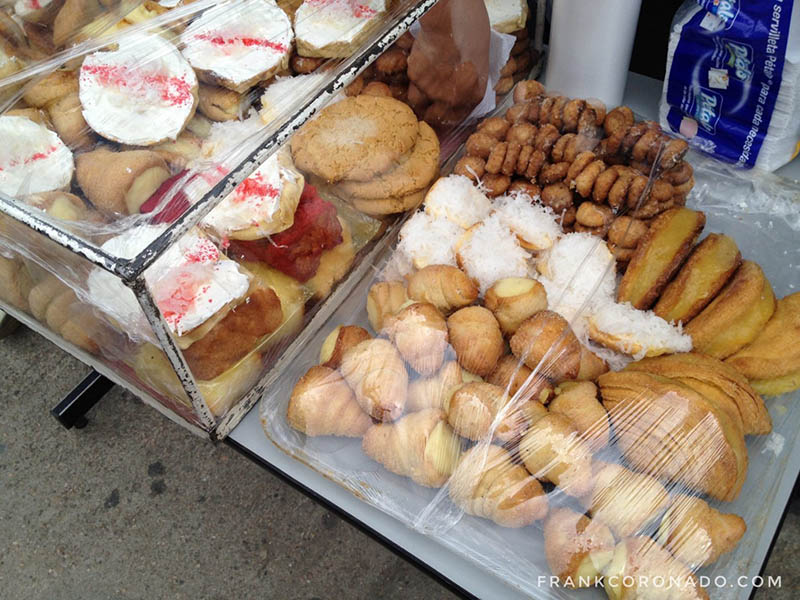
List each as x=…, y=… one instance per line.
x=334, y=28
x=236, y=46
x=141, y=94
x=262, y=205
x=33, y=159
x=191, y=282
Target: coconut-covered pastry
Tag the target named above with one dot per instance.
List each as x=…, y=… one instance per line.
x=33, y=159
x=262, y=205
x=334, y=28
x=238, y=45
x=142, y=93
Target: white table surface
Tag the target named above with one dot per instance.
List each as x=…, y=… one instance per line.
x=642, y=94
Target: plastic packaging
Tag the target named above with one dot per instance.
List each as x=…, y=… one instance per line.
x=154, y=157
x=733, y=79
x=509, y=387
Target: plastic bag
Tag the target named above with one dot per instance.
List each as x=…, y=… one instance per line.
x=733, y=81
x=516, y=381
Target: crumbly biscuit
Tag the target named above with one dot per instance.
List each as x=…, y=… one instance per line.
x=411, y=175
x=358, y=138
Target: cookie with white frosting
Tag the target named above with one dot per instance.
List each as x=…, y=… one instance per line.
x=141, y=94
x=236, y=46
x=33, y=159
x=335, y=28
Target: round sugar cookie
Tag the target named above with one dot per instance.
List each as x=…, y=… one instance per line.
x=358, y=138
x=379, y=207
x=413, y=174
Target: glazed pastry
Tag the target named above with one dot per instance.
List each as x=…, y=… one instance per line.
x=552, y=450
x=420, y=334
x=703, y=373
x=339, y=341
x=323, y=404
x=420, y=445
x=446, y=287
x=624, y=500
x=736, y=316
x=545, y=343
x=375, y=371
x=639, y=564
x=119, y=183
x=385, y=299
x=659, y=256
x=476, y=338
x=578, y=402
x=670, y=431
x=474, y=407
x=771, y=361
x=577, y=548
x=486, y=483
x=707, y=270
x=514, y=300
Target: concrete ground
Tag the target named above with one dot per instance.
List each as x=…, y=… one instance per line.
x=133, y=506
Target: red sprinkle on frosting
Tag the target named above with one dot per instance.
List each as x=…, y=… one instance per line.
x=255, y=189
x=220, y=40
x=357, y=9
x=175, y=91
x=203, y=252
x=32, y=158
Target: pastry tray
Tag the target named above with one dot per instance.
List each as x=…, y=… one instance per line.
x=732, y=202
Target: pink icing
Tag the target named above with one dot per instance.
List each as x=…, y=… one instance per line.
x=219, y=40
x=174, y=90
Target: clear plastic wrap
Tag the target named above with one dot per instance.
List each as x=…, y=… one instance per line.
x=558, y=379
x=153, y=154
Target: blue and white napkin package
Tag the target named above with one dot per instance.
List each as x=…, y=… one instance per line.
x=732, y=85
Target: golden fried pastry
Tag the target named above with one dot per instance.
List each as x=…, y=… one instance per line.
x=219, y=103
x=384, y=299
x=476, y=338
x=486, y=483
x=577, y=400
x=552, y=450
x=517, y=379
x=577, y=548
x=420, y=445
x=624, y=500
x=436, y=391
x=323, y=404
x=334, y=264
x=706, y=271
x=378, y=376
x=120, y=182
x=420, y=334
x=736, y=316
x=697, y=534
x=446, y=287
x=592, y=366
x=339, y=341
x=513, y=300
x=668, y=430
x=67, y=118
x=641, y=568
x=772, y=360
x=545, y=342
x=15, y=282
x=474, y=407
x=703, y=373
x=659, y=255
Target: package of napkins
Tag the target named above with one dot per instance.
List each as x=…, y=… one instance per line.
x=732, y=85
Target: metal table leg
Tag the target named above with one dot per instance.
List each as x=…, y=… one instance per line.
x=71, y=411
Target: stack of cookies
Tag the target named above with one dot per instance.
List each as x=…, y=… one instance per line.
x=371, y=151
